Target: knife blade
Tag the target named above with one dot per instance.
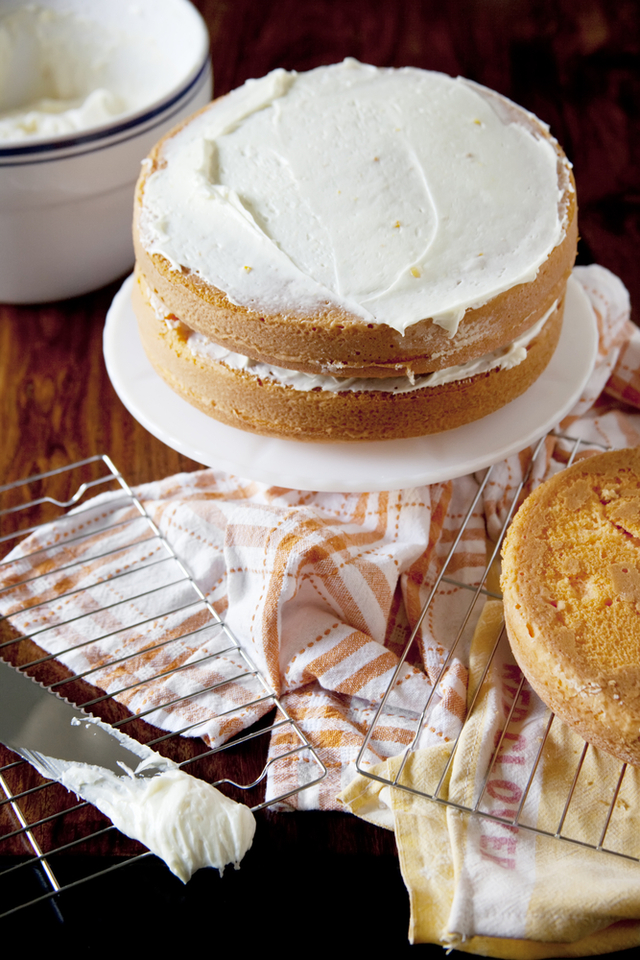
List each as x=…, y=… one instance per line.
x=50, y=732
x=185, y=821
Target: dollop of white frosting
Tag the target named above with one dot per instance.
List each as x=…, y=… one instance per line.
x=60, y=73
x=394, y=194
x=183, y=820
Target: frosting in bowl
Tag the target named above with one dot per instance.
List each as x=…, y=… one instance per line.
x=66, y=70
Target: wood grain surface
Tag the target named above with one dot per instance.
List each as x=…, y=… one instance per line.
x=575, y=64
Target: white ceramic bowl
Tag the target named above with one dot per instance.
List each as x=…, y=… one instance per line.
x=66, y=201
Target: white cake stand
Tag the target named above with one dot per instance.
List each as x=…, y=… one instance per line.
x=380, y=465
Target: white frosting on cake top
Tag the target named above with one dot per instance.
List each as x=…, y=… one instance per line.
x=394, y=194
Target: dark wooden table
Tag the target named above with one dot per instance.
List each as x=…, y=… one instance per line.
x=574, y=63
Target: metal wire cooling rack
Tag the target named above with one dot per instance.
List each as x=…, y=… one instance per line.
x=518, y=803
x=41, y=824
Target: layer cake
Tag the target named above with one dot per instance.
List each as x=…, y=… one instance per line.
x=353, y=253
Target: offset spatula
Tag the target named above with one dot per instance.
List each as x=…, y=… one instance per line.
x=184, y=820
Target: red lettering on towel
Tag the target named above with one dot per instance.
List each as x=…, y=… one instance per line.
x=505, y=790
x=498, y=842
x=502, y=844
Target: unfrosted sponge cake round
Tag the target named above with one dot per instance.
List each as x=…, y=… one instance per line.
x=354, y=224
x=571, y=586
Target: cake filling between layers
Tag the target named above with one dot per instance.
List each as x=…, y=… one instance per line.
x=203, y=347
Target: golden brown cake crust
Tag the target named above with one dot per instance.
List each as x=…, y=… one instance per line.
x=237, y=398
x=356, y=348
x=571, y=585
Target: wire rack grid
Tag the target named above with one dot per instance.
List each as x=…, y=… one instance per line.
x=584, y=805
x=42, y=821
x=41, y=824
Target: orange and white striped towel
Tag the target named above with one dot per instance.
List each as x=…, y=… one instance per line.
x=322, y=589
